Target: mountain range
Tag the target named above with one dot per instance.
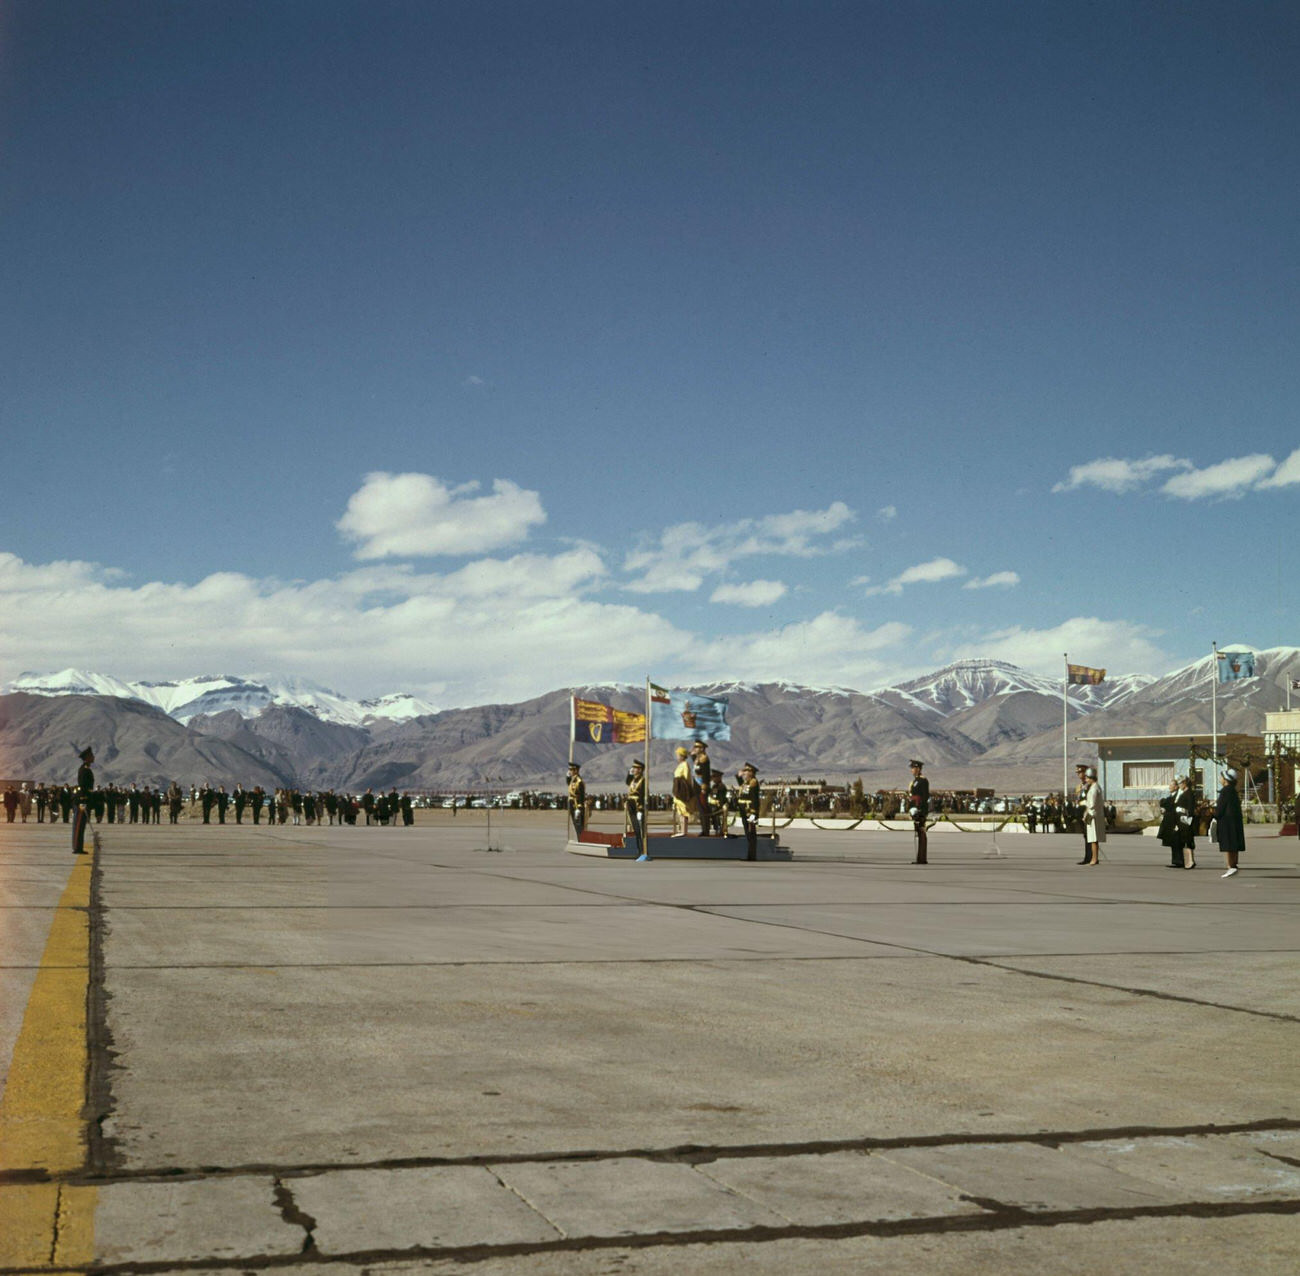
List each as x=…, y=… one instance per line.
x=976, y=723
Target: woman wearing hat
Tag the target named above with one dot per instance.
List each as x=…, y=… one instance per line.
x=1230, y=829
x=1094, y=818
x=684, y=798
x=1185, y=808
x=1168, y=832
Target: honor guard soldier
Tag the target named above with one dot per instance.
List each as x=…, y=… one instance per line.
x=577, y=799
x=636, y=803
x=748, y=800
x=719, y=805
x=918, y=807
x=85, y=788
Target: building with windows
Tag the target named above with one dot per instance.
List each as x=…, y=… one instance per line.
x=1140, y=768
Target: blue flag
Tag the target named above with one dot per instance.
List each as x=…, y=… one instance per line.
x=683, y=715
x=1235, y=665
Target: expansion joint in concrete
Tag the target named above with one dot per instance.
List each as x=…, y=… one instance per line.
x=102, y=1154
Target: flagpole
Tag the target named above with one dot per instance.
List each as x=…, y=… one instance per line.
x=1065, y=730
x=645, y=814
x=573, y=725
x=1214, y=711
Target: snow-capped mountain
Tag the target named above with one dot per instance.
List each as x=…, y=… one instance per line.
x=966, y=683
x=209, y=694
x=975, y=722
x=1199, y=680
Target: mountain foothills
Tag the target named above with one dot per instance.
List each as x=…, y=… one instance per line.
x=980, y=723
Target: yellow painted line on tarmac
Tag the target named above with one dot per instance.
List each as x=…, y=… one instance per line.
x=44, y=1224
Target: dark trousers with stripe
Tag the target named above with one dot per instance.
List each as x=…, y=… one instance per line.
x=80, y=818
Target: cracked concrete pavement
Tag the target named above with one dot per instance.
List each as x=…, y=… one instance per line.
x=335, y=1049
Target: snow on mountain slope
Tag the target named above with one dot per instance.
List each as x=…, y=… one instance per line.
x=75, y=682
x=186, y=698
x=966, y=683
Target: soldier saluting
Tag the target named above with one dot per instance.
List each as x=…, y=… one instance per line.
x=749, y=796
x=918, y=808
x=577, y=799
x=636, y=803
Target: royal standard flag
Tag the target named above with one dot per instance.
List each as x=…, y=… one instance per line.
x=1235, y=665
x=683, y=715
x=596, y=723
x=1082, y=676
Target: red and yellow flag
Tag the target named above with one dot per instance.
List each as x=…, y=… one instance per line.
x=1083, y=676
x=596, y=723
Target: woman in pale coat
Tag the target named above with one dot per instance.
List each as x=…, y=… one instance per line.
x=1094, y=818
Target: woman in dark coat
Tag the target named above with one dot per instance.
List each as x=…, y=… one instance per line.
x=1185, y=810
x=1169, y=833
x=1230, y=831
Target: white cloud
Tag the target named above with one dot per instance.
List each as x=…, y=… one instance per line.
x=937, y=569
x=757, y=593
x=686, y=553
x=1286, y=474
x=1115, y=475
x=1003, y=580
x=829, y=649
x=1233, y=477
x=887, y=513
x=1117, y=645
x=492, y=630
x=418, y=515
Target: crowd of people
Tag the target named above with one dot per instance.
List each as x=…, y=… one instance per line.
x=145, y=804
x=700, y=796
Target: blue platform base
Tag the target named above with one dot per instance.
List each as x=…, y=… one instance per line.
x=663, y=847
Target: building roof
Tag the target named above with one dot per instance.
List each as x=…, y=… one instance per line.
x=1182, y=739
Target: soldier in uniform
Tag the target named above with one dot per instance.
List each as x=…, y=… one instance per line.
x=918, y=808
x=636, y=803
x=577, y=799
x=85, y=787
x=719, y=803
x=748, y=802
x=703, y=783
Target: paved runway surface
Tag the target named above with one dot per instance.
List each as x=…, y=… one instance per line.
x=439, y=1050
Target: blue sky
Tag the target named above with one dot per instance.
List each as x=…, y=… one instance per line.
x=477, y=348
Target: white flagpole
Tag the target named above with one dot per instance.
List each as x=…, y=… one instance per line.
x=1065, y=730
x=573, y=724
x=1214, y=712
x=645, y=809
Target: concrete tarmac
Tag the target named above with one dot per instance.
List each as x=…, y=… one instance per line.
x=455, y=1049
